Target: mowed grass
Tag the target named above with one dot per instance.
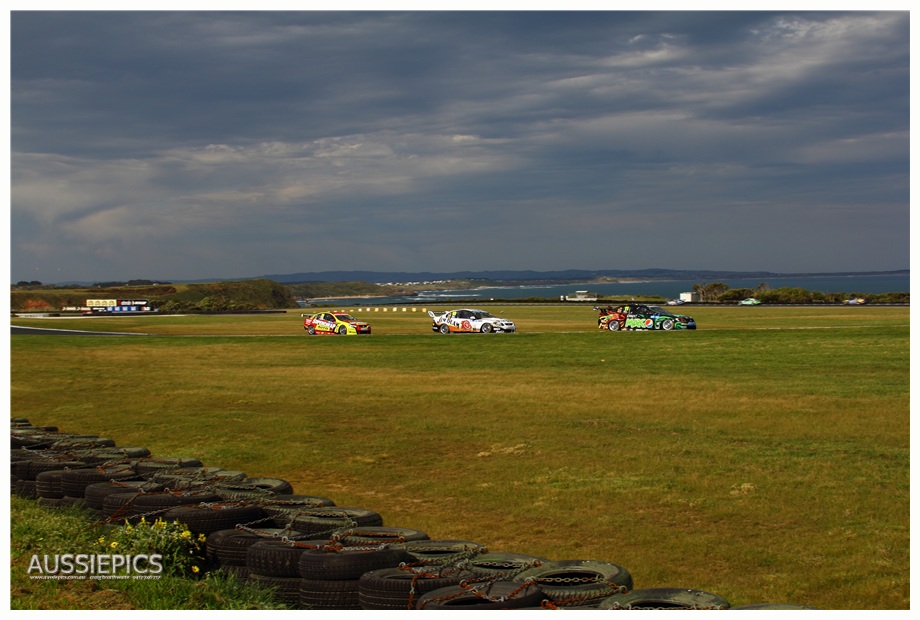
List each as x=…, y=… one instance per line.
x=764, y=457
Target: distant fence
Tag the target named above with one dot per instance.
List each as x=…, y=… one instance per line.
x=371, y=309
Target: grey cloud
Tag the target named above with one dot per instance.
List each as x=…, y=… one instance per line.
x=243, y=140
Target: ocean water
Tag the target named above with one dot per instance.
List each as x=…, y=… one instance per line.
x=670, y=289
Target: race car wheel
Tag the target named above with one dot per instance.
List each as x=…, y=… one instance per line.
x=444, y=329
x=613, y=326
x=342, y=330
x=667, y=325
x=486, y=328
x=311, y=330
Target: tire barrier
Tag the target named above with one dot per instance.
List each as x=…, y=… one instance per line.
x=311, y=552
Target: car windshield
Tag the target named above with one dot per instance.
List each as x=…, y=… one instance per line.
x=481, y=314
x=346, y=317
x=659, y=310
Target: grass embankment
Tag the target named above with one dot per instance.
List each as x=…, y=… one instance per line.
x=764, y=457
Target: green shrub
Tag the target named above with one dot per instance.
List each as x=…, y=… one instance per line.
x=182, y=551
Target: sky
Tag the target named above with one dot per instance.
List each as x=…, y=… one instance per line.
x=192, y=144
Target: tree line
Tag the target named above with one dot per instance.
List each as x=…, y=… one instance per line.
x=716, y=292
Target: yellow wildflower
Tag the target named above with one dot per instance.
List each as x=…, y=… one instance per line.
x=195, y=569
x=114, y=545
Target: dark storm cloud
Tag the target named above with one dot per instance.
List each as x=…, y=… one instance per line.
x=200, y=144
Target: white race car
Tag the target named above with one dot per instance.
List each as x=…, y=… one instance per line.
x=468, y=320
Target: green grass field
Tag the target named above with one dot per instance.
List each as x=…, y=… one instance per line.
x=764, y=457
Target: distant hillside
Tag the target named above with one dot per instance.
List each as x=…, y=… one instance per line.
x=255, y=294
x=536, y=277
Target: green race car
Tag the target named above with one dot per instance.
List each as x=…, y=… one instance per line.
x=642, y=317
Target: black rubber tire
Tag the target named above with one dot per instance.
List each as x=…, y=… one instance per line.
x=392, y=588
x=342, y=330
x=134, y=505
x=502, y=566
x=600, y=580
x=21, y=454
x=96, y=492
x=33, y=439
x=323, y=594
x=349, y=563
x=26, y=489
x=667, y=325
x=356, y=536
x=147, y=467
x=613, y=325
x=48, y=484
x=228, y=546
x=208, y=519
x=444, y=329
x=75, y=481
x=35, y=467
x=321, y=522
x=117, y=506
x=173, y=499
x=487, y=595
x=283, y=509
x=286, y=589
x=664, y=598
x=486, y=328
x=275, y=558
x=442, y=552
x=254, y=488
x=196, y=476
x=120, y=454
x=85, y=441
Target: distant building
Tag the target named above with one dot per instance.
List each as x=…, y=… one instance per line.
x=580, y=296
x=114, y=306
x=689, y=297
